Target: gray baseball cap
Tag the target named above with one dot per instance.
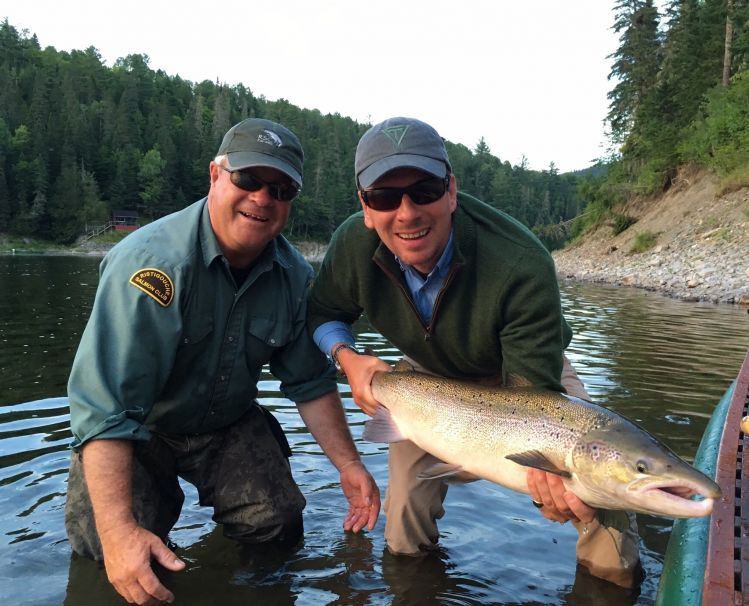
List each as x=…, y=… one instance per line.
x=399, y=143
x=258, y=142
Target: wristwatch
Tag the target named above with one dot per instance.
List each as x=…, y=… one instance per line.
x=337, y=349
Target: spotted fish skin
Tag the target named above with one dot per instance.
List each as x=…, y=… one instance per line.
x=497, y=433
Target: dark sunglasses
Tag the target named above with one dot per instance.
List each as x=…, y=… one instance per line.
x=245, y=180
x=423, y=192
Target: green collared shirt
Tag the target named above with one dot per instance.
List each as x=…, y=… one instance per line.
x=174, y=345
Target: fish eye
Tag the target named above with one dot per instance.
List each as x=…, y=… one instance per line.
x=642, y=466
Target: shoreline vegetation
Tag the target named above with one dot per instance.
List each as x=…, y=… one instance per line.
x=101, y=245
x=691, y=244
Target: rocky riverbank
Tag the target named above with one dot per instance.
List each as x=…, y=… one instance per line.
x=699, y=245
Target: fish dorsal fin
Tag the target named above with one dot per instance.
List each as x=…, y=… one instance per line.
x=453, y=474
x=534, y=458
x=403, y=365
x=382, y=428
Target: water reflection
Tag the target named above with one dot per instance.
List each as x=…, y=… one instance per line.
x=662, y=363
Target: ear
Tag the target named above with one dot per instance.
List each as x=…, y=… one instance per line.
x=214, y=172
x=453, y=194
x=367, y=217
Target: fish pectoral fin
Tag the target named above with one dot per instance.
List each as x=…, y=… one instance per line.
x=537, y=459
x=382, y=428
x=453, y=474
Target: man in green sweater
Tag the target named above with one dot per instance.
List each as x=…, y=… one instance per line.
x=464, y=291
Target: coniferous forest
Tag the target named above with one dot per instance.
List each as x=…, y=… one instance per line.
x=679, y=97
x=79, y=139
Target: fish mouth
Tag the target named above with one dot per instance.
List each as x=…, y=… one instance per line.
x=682, y=499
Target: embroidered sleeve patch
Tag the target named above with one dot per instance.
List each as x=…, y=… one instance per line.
x=155, y=283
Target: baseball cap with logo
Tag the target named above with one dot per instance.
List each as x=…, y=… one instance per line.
x=399, y=143
x=258, y=142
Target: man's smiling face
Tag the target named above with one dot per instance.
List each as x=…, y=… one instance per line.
x=416, y=234
x=245, y=222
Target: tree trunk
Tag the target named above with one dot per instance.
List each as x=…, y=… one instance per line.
x=727, y=47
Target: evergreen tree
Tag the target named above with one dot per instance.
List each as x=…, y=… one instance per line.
x=65, y=205
x=636, y=63
x=153, y=184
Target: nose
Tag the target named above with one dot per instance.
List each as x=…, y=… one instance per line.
x=408, y=209
x=262, y=196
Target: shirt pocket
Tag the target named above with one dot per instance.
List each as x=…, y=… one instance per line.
x=264, y=338
x=194, y=359
x=273, y=333
x=195, y=330
x=194, y=345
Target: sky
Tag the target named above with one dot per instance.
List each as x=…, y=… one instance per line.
x=529, y=76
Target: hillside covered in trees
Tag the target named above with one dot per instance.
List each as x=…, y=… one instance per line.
x=79, y=140
x=680, y=101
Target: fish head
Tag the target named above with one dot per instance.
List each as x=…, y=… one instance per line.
x=621, y=466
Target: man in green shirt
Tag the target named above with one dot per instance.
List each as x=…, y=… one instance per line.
x=464, y=291
x=164, y=383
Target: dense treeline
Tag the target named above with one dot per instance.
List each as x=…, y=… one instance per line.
x=79, y=139
x=681, y=98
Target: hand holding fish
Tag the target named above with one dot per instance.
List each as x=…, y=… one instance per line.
x=359, y=370
x=362, y=494
x=558, y=503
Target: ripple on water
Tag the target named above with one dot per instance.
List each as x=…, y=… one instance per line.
x=664, y=363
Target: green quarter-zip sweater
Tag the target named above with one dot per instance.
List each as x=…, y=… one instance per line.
x=174, y=345
x=498, y=311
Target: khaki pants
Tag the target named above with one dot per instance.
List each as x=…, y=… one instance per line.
x=413, y=506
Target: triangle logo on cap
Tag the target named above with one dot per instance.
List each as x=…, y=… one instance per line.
x=396, y=133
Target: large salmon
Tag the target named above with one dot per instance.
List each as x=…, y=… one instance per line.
x=497, y=433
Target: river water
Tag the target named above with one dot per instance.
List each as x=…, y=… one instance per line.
x=660, y=362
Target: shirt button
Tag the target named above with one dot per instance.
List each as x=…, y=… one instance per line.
x=272, y=341
x=222, y=378
x=231, y=339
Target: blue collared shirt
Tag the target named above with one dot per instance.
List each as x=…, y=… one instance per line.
x=423, y=291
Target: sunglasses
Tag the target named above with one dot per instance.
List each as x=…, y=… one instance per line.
x=423, y=192
x=245, y=180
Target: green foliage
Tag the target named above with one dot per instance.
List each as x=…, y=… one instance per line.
x=110, y=238
x=669, y=106
x=79, y=140
x=719, y=136
x=552, y=236
x=644, y=240
x=602, y=194
x=636, y=63
x=621, y=222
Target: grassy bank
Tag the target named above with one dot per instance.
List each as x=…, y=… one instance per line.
x=12, y=244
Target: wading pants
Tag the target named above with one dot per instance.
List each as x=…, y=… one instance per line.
x=412, y=508
x=241, y=471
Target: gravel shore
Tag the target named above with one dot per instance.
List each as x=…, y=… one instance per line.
x=701, y=250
